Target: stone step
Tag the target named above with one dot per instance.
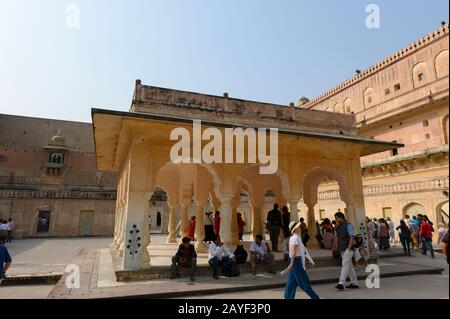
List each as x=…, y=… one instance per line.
x=43, y=279
x=164, y=272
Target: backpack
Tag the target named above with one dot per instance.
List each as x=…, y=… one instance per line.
x=240, y=254
x=233, y=270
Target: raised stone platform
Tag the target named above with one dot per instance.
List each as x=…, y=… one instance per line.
x=161, y=255
x=98, y=279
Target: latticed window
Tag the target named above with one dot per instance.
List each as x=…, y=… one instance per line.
x=55, y=164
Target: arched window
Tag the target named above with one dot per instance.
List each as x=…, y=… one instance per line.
x=413, y=209
x=338, y=108
x=56, y=158
x=348, y=105
x=441, y=64
x=368, y=96
x=445, y=128
x=420, y=74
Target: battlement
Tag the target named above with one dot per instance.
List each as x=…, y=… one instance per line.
x=389, y=60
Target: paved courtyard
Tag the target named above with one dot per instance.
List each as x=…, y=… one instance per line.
x=46, y=256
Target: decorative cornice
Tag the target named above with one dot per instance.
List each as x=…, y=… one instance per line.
x=406, y=162
x=409, y=49
x=57, y=194
x=437, y=184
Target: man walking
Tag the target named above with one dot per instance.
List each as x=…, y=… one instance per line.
x=345, y=238
x=274, y=219
x=5, y=262
x=426, y=230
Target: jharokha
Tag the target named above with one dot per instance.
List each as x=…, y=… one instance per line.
x=375, y=145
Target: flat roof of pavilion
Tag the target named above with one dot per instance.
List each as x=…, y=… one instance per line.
x=107, y=124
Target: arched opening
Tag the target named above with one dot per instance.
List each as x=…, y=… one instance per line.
x=324, y=194
x=190, y=189
x=338, y=108
x=445, y=128
x=263, y=192
x=348, y=105
x=158, y=210
x=369, y=97
x=441, y=64
x=442, y=213
x=420, y=74
x=245, y=208
x=413, y=209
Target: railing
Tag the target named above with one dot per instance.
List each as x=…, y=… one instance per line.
x=57, y=194
x=434, y=184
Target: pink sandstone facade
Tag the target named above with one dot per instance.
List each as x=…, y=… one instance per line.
x=47, y=172
x=403, y=98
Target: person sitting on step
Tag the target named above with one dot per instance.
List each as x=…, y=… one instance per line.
x=185, y=257
x=260, y=254
x=219, y=255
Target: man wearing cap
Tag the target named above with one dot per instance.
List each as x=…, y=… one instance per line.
x=345, y=238
x=297, y=274
x=260, y=254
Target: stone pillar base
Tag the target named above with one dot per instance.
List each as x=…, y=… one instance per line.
x=171, y=238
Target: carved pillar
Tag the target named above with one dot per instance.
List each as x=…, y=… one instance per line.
x=256, y=221
x=355, y=201
x=171, y=238
x=226, y=219
x=234, y=225
x=293, y=207
x=136, y=231
x=312, y=229
x=199, y=227
x=184, y=220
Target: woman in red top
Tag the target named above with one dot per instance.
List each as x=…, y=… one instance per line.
x=191, y=228
x=217, y=223
x=426, y=230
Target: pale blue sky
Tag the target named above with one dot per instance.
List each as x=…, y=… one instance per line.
x=271, y=51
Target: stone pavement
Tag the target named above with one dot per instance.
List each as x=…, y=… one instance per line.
x=38, y=257
x=44, y=256
x=98, y=280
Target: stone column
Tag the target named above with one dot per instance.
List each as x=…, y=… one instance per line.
x=256, y=221
x=293, y=206
x=171, y=238
x=225, y=223
x=136, y=233
x=234, y=225
x=312, y=229
x=184, y=220
x=199, y=227
x=355, y=200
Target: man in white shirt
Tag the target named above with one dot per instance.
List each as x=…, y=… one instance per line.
x=4, y=225
x=260, y=254
x=4, y=230
x=219, y=255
